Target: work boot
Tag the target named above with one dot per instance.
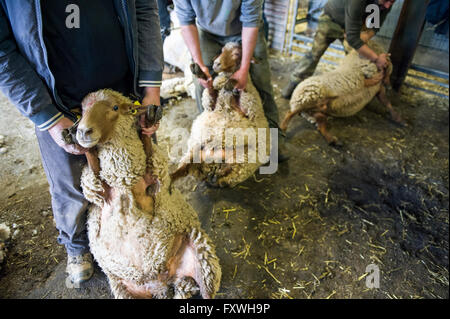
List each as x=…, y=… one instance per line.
x=80, y=268
x=288, y=90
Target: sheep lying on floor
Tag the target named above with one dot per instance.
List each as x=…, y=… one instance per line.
x=226, y=113
x=5, y=233
x=342, y=92
x=145, y=239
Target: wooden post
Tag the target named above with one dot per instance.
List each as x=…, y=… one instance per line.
x=406, y=39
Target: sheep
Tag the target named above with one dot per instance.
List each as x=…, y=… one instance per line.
x=5, y=233
x=211, y=155
x=342, y=92
x=145, y=239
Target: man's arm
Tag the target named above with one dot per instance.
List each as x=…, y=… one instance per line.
x=251, y=13
x=189, y=32
x=249, y=38
x=151, y=61
x=354, y=13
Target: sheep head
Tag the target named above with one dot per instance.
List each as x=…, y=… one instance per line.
x=99, y=120
x=230, y=59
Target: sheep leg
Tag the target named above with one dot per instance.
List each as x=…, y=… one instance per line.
x=384, y=99
x=183, y=170
x=94, y=165
x=139, y=190
x=236, y=104
x=213, y=95
x=195, y=257
x=288, y=118
x=374, y=80
x=321, y=121
x=118, y=288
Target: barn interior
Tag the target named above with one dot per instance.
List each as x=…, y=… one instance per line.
x=316, y=227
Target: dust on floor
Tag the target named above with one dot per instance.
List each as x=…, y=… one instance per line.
x=308, y=231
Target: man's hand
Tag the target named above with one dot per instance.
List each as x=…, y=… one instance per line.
x=207, y=84
x=56, y=133
x=151, y=98
x=382, y=61
x=191, y=39
x=367, y=35
x=241, y=77
x=249, y=39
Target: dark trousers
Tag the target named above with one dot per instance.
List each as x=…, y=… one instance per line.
x=63, y=172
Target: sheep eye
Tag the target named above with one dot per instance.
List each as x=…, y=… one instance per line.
x=115, y=107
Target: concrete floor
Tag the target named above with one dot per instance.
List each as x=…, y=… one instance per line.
x=308, y=231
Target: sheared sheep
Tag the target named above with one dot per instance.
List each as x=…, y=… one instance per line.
x=145, y=239
x=5, y=233
x=227, y=113
x=342, y=92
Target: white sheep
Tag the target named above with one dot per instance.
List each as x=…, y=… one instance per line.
x=225, y=114
x=342, y=92
x=145, y=239
x=5, y=233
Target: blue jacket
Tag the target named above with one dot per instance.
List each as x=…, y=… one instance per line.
x=25, y=77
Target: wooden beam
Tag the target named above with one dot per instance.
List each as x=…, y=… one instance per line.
x=406, y=39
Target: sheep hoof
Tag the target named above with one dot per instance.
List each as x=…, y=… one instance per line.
x=398, y=120
x=336, y=143
x=212, y=179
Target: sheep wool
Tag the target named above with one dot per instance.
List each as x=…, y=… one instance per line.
x=5, y=233
x=210, y=128
x=133, y=246
x=343, y=87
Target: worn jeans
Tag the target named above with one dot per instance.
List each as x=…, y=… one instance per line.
x=211, y=46
x=63, y=172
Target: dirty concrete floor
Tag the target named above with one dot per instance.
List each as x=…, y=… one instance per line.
x=308, y=231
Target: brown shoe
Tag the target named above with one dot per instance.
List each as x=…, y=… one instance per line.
x=80, y=268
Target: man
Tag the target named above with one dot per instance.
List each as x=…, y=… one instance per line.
x=225, y=21
x=341, y=18
x=52, y=54
x=315, y=10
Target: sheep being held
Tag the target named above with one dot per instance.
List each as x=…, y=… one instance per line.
x=213, y=154
x=5, y=233
x=144, y=238
x=342, y=92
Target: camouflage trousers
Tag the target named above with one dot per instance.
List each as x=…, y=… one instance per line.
x=327, y=32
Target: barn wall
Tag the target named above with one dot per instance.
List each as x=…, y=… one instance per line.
x=276, y=12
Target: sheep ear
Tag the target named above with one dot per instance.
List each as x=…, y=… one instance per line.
x=128, y=108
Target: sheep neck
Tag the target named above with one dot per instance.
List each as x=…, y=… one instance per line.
x=122, y=157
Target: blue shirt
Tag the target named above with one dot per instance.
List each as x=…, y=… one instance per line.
x=221, y=17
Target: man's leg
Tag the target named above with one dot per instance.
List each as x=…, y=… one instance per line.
x=63, y=172
x=210, y=48
x=326, y=34
x=164, y=18
x=262, y=79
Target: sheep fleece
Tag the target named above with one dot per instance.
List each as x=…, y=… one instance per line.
x=131, y=244
x=343, y=87
x=209, y=128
